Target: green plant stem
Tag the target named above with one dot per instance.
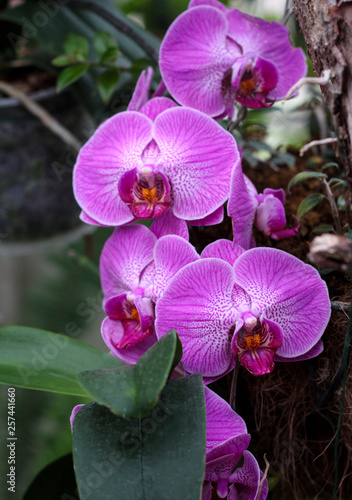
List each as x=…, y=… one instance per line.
x=118, y=24
x=334, y=211
x=234, y=385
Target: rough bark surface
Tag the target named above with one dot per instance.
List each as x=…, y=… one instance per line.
x=327, y=28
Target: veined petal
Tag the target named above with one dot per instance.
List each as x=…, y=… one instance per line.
x=88, y=220
x=141, y=91
x=116, y=147
x=125, y=254
x=222, y=421
x=289, y=292
x=246, y=480
x=194, y=57
x=197, y=304
x=224, y=250
x=171, y=253
x=210, y=220
x=221, y=461
x=145, y=309
x=270, y=215
x=198, y=156
x=112, y=333
x=241, y=208
x=270, y=41
x=168, y=223
x=312, y=353
x=157, y=105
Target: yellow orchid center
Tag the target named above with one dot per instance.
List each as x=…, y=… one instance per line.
x=135, y=315
x=252, y=341
x=149, y=194
x=247, y=86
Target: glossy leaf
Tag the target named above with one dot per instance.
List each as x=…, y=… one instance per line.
x=323, y=228
x=62, y=60
x=37, y=359
x=70, y=75
x=110, y=55
x=107, y=82
x=132, y=391
x=159, y=456
x=303, y=176
x=308, y=203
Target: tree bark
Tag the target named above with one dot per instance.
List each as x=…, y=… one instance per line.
x=327, y=28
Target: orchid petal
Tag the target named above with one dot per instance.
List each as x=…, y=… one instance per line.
x=194, y=56
x=270, y=41
x=125, y=254
x=247, y=479
x=115, y=148
x=210, y=220
x=88, y=220
x=112, y=333
x=141, y=91
x=145, y=309
x=198, y=156
x=171, y=253
x=312, y=353
x=157, y=105
x=221, y=461
x=206, y=491
x=289, y=292
x=197, y=304
x=167, y=223
x=73, y=414
x=241, y=208
x=270, y=215
x=222, y=421
x=224, y=250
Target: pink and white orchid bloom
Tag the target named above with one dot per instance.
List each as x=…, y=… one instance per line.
x=212, y=56
x=135, y=268
x=266, y=306
x=155, y=160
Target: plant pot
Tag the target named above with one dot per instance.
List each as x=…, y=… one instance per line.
x=36, y=197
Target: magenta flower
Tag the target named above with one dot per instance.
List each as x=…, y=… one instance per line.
x=246, y=207
x=135, y=267
x=155, y=158
x=269, y=306
x=212, y=56
x=227, y=442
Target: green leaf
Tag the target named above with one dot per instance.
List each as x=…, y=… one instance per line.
x=160, y=456
x=303, y=176
x=62, y=60
x=37, y=359
x=77, y=46
x=103, y=41
x=132, y=391
x=323, y=228
x=329, y=165
x=70, y=75
x=107, y=82
x=110, y=55
x=308, y=203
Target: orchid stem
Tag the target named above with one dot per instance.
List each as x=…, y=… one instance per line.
x=334, y=211
x=234, y=385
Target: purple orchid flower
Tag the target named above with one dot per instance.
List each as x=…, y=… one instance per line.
x=212, y=56
x=135, y=268
x=246, y=207
x=227, y=442
x=155, y=158
x=268, y=306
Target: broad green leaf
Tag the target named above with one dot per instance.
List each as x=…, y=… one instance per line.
x=77, y=46
x=132, y=391
x=303, y=176
x=159, y=456
x=308, y=203
x=336, y=182
x=62, y=60
x=55, y=482
x=110, y=55
x=70, y=75
x=102, y=42
x=37, y=359
x=107, y=82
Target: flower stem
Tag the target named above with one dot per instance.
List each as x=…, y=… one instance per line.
x=234, y=385
x=334, y=211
